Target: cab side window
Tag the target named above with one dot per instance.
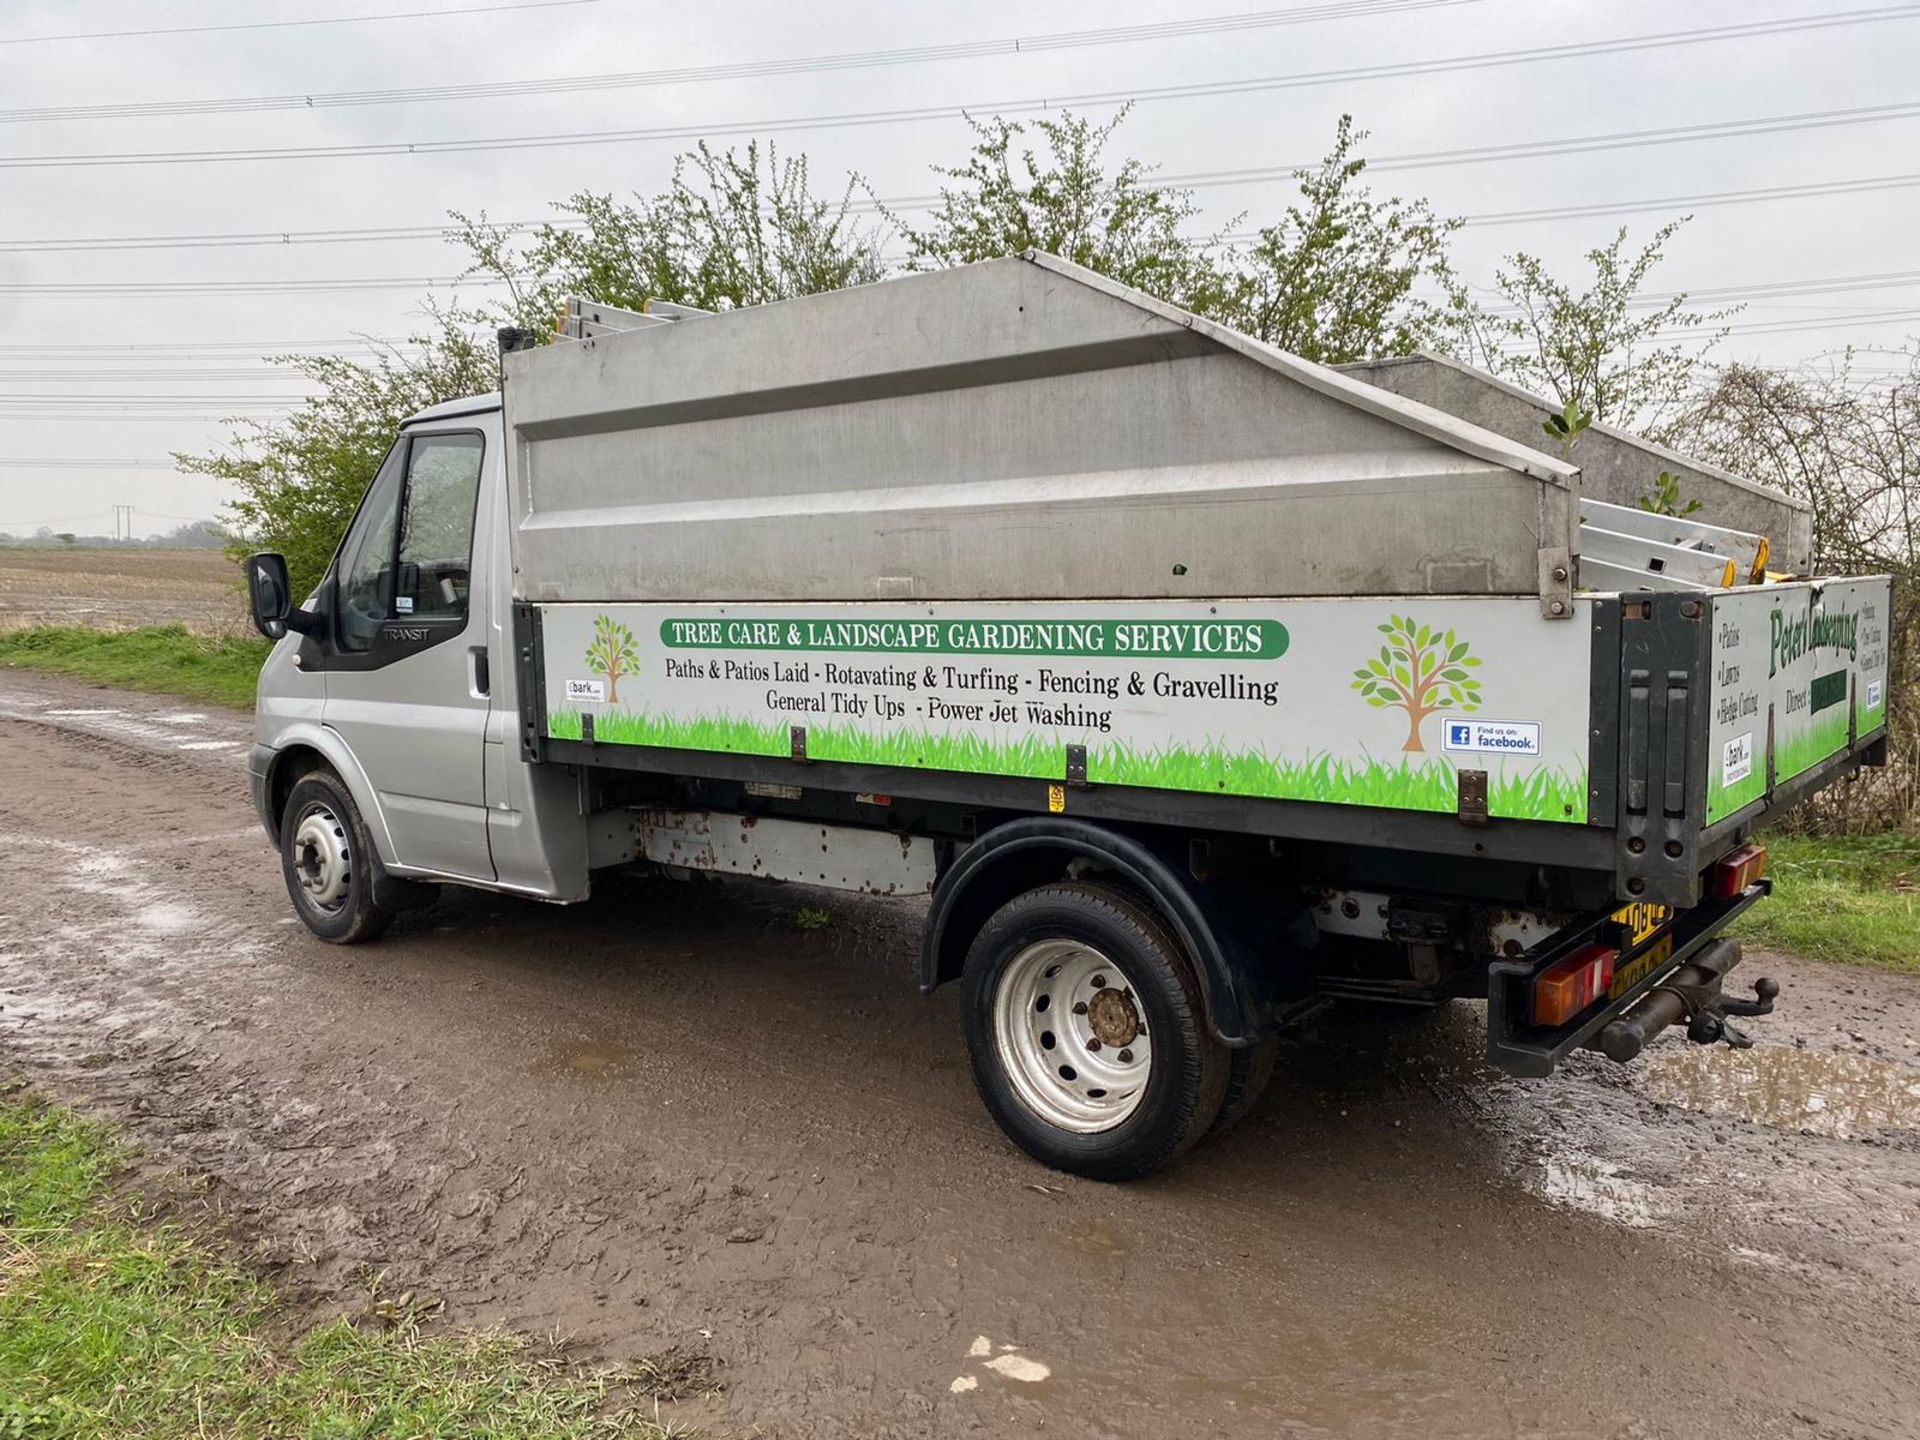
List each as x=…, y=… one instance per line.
x=410, y=556
x=366, y=567
x=436, y=528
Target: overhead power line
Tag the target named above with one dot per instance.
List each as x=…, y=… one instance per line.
x=749, y=69
x=1537, y=54
x=291, y=24
x=76, y=462
x=175, y=373
x=1813, y=285
x=287, y=239
x=1584, y=144
x=1822, y=285
x=242, y=287
x=209, y=417
x=171, y=349
x=1785, y=327
x=1702, y=201
x=242, y=239
x=135, y=401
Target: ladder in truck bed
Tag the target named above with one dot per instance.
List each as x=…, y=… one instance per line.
x=586, y=319
x=1623, y=548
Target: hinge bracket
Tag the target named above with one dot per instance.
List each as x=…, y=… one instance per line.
x=1473, y=797
x=1077, y=766
x=1556, y=583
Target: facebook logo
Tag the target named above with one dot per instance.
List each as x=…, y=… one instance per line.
x=1492, y=737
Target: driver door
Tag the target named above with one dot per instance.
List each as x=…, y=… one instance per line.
x=407, y=676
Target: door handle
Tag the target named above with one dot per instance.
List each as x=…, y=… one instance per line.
x=482, y=675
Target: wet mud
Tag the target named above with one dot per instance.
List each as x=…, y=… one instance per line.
x=670, y=1118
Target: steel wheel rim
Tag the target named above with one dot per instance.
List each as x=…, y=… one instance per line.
x=322, y=859
x=1071, y=1038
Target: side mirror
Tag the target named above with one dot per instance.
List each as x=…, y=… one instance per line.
x=270, y=594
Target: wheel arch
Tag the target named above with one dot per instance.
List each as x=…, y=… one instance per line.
x=1220, y=925
x=304, y=748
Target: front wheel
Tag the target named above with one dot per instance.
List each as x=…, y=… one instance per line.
x=327, y=857
x=1088, y=1035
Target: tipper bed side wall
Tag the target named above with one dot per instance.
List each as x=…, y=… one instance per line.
x=1615, y=466
x=1009, y=430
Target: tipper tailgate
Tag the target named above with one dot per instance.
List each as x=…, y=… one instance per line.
x=1798, y=676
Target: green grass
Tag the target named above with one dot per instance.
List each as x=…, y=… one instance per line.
x=166, y=658
x=114, y=1325
x=1855, y=900
x=1408, y=785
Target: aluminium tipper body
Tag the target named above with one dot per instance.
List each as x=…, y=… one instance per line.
x=1021, y=429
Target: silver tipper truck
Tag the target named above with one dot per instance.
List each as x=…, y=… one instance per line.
x=1188, y=684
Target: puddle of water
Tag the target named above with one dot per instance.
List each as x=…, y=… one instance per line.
x=1098, y=1237
x=1585, y=1182
x=168, y=919
x=1839, y=1096
x=591, y=1062
x=1023, y=1368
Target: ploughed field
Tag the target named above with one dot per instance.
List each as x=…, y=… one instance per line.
x=120, y=589
x=722, y=1119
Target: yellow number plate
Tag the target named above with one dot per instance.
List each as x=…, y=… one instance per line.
x=1645, y=921
x=1642, y=965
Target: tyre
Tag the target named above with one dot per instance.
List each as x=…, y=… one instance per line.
x=1088, y=1036
x=329, y=862
x=1248, y=1070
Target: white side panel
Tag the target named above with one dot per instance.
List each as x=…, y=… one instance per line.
x=1377, y=701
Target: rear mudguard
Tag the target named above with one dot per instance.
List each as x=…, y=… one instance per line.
x=1248, y=939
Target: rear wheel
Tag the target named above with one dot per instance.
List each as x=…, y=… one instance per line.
x=329, y=863
x=1088, y=1035
x=1248, y=1071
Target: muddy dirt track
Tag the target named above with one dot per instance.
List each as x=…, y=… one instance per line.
x=669, y=1118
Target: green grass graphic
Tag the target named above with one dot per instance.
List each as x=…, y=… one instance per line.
x=1430, y=784
x=1826, y=735
x=1723, y=800
x=1871, y=719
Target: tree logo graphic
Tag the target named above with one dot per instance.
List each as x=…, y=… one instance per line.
x=612, y=654
x=1421, y=671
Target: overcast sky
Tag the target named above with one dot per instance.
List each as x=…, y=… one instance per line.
x=76, y=363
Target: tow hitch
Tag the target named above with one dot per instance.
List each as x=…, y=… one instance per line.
x=1691, y=993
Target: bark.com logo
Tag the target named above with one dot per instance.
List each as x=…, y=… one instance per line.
x=1422, y=671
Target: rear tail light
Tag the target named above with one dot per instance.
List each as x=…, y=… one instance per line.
x=1733, y=874
x=1566, y=987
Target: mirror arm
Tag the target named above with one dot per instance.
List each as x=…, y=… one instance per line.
x=304, y=622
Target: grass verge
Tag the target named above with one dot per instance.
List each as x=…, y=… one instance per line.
x=1855, y=900
x=112, y=1324
x=169, y=659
